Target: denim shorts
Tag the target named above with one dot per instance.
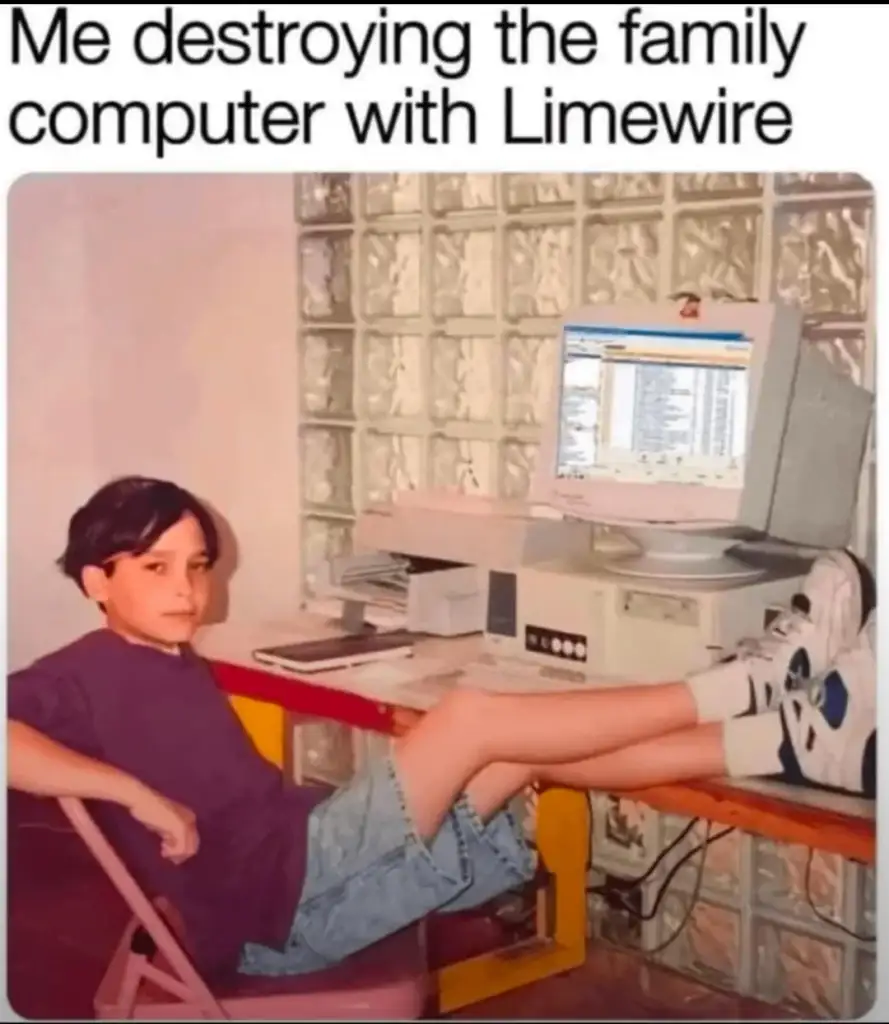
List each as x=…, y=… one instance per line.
x=369, y=874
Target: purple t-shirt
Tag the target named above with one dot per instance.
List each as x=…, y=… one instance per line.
x=162, y=719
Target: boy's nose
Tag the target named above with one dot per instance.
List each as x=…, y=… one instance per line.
x=183, y=585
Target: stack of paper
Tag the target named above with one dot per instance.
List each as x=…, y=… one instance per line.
x=379, y=579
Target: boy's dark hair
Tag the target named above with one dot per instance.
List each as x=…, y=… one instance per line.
x=127, y=516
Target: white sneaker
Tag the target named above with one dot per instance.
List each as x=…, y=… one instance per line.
x=800, y=643
x=830, y=726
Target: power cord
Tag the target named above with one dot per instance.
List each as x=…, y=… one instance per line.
x=827, y=918
x=614, y=892
x=695, y=893
x=627, y=884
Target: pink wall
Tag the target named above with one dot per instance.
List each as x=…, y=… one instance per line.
x=152, y=329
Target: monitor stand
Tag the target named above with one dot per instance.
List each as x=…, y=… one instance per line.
x=683, y=554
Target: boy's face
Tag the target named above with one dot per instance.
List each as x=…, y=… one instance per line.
x=158, y=597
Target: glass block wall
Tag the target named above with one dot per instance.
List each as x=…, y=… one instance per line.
x=757, y=925
x=429, y=310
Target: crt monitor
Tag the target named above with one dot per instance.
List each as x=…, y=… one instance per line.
x=693, y=435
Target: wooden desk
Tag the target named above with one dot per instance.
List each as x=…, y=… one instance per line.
x=770, y=812
x=268, y=700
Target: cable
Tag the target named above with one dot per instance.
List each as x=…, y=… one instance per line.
x=615, y=896
x=827, y=918
x=671, y=874
x=618, y=885
x=692, y=899
x=614, y=893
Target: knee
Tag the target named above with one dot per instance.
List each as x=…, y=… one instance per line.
x=467, y=715
x=464, y=706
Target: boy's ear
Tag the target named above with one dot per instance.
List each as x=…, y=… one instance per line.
x=95, y=583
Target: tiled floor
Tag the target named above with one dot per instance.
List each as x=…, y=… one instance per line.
x=64, y=919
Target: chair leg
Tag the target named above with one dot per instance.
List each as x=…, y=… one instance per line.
x=107, y=1000
x=129, y=989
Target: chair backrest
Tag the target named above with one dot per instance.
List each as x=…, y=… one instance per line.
x=192, y=987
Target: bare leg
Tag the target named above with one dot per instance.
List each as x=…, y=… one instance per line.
x=781, y=743
x=470, y=730
x=696, y=753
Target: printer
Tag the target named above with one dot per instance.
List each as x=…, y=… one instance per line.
x=426, y=557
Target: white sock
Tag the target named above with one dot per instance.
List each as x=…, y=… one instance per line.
x=717, y=693
x=752, y=744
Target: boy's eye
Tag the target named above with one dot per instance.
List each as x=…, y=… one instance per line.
x=155, y=567
x=200, y=566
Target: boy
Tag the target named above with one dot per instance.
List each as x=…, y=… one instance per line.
x=270, y=878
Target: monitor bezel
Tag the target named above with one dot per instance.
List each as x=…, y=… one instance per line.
x=630, y=502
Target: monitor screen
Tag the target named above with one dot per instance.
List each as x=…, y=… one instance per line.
x=653, y=406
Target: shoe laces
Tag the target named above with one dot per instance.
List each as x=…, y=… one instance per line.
x=784, y=627
x=815, y=691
